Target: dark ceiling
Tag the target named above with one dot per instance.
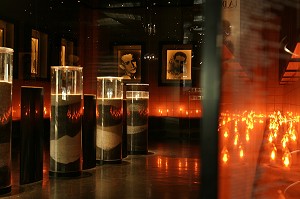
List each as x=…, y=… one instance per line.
x=98, y=4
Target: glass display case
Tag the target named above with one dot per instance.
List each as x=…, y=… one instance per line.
x=223, y=78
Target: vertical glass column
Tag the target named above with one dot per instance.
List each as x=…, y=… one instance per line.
x=109, y=120
x=65, y=123
x=6, y=76
x=137, y=103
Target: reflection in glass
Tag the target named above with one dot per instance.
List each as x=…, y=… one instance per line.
x=34, y=56
x=6, y=68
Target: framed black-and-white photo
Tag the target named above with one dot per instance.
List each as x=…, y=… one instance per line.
x=176, y=65
x=129, y=62
x=34, y=57
x=1, y=37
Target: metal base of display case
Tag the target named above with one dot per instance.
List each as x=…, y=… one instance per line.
x=137, y=152
x=102, y=162
x=5, y=190
x=65, y=175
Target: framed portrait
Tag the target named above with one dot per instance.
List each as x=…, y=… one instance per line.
x=176, y=65
x=128, y=60
x=34, y=57
x=63, y=55
x=1, y=37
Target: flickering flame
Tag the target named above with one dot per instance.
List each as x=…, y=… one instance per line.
x=225, y=156
x=247, y=137
x=286, y=159
x=226, y=133
x=270, y=138
x=236, y=139
x=284, y=141
x=241, y=152
x=273, y=153
x=223, y=122
x=235, y=128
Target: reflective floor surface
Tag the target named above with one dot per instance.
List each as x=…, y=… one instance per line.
x=170, y=170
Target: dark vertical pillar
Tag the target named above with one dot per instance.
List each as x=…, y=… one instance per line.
x=89, y=132
x=32, y=134
x=211, y=80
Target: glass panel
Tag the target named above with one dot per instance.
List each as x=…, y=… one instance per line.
x=157, y=43
x=259, y=109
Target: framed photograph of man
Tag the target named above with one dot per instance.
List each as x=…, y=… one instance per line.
x=34, y=57
x=129, y=62
x=1, y=37
x=176, y=64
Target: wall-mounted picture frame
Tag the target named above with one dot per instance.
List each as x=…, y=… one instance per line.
x=63, y=55
x=128, y=60
x=34, y=57
x=176, y=64
x=1, y=37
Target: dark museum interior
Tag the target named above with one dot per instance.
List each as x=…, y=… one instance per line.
x=149, y=99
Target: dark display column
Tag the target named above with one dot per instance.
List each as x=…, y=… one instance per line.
x=89, y=132
x=32, y=134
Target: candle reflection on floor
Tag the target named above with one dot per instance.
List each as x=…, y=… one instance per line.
x=170, y=169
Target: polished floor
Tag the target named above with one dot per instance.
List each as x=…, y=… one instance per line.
x=170, y=170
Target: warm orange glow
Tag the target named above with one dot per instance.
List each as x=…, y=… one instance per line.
x=196, y=166
x=159, y=160
x=235, y=127
x=179, y=165
x=293, y=137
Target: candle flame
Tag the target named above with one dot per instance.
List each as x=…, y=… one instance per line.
x=286, y=158
x=225, y=155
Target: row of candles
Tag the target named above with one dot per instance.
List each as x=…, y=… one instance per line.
x=163, y=112
x=280, y=136
x=180, y=112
